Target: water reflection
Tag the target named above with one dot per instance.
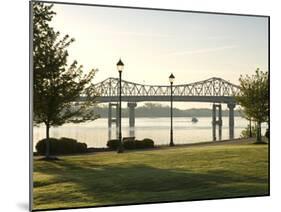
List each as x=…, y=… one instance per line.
x=96, y=133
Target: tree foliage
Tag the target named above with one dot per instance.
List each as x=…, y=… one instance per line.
x=254, y=98
x=247, y=132
x=57, y=85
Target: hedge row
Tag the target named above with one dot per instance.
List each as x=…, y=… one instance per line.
x=61, y=146
x=131, y=144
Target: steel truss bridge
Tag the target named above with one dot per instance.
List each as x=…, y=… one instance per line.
x=214, y=90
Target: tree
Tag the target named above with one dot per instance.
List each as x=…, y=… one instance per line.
x=57, y=86
x=254, y=98
x=249, y=131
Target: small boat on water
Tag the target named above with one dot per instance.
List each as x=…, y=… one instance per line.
x=194, y=120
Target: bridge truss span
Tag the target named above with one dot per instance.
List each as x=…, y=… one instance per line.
x=208, y=90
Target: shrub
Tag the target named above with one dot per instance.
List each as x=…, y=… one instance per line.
x=139, y=144
x=61, y=146
x=149, y=143
x=145, y=143
x=113, y=144
x=41, y=145
x=129, y=144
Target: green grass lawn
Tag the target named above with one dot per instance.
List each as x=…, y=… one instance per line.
x=183, y=173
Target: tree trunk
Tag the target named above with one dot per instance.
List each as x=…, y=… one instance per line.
x=251, y=135
x=47, y=141
x=259, y=133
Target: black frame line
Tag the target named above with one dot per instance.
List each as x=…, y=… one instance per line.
x=31, y=102
x=30, y=106
x=151, y=203
x=147, y=8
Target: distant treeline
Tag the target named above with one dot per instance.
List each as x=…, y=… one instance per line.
x=158, y=110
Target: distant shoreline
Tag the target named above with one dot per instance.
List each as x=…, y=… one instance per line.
x=158, y=110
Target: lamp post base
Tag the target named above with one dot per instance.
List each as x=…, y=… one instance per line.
x=120, y=149
x=171, y=139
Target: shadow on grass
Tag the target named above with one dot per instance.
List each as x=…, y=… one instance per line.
x=127, y=184
x=261, y=142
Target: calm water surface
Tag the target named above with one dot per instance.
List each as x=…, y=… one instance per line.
x=96, y=133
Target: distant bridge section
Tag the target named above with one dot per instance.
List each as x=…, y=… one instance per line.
x=210, y=90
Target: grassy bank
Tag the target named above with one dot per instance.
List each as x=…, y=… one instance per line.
x=185, y=173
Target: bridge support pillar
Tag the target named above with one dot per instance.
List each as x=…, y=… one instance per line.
x=117, y=115
x=109, y=134
x=131, y=106
x=216, y=121
x=220, y=122
x=109, y=116
x=231, y=107
x=111, y=119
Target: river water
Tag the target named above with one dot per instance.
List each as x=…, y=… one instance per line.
x=96, y=133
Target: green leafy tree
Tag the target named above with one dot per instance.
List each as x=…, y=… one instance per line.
x=254, y=98
x=57, y=85
x=249, y=131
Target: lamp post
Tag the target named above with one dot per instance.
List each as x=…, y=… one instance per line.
x=171, y=79
x=120, y=67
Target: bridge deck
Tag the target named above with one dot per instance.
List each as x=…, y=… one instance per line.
x=214, y=99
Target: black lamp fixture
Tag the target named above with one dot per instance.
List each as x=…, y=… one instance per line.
x=120, y=65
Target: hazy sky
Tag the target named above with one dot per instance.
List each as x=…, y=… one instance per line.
x=152, y=44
